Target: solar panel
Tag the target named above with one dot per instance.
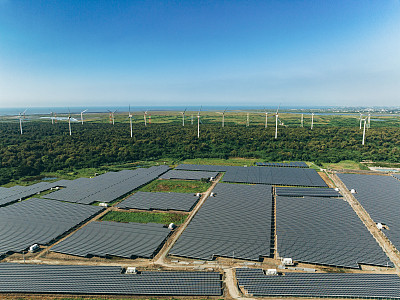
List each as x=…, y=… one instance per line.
x=235, y=223
x=9, y=195
x=38, y=221
x=275, y=175
x=293, y=164
x=106, y=187
x=256, y=175
x=188, y=175
x=379, y=195
x=105, y=280
x=325, y=231
x=302, y=192
x=320, y=285
x=160, y=201
x=127, y=240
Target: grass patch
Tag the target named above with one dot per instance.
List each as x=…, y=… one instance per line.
x=177, y=186
x=345, y=164
x=144, y=217
x=234, y=161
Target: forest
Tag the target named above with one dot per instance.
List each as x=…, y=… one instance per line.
x=44, y=147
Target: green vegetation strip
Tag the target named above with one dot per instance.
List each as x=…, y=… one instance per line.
x=144, y=217
x=176, y=186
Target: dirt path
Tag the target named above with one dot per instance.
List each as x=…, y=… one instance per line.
x=382, y=240
x=231, y=286
x=160, y=260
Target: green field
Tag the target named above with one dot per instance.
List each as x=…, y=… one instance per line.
x=144, y=217
x=177, y=186
x=345, y=164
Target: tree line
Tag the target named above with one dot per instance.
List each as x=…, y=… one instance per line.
x=45, y=148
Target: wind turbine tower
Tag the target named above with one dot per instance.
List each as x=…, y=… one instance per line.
x=302, y=117
x=248, y=120
x=363, y=140
x=130, y=120
x=266, y=118
x=20, y=119
x=192, y=119
x=369, y=120
x=312, y=121
x=145, y=119
x=69, y=122
x=276, y=122
x=360, y=119
x=82, y=115
x=183, y=117
x=198, y=124
x=52, y=118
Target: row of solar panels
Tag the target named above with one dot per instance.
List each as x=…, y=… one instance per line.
x=128, y=240
x=91, y=280
x=39, y=221
x=293, y=164
x=379, y=195
x=106, y=187
x=321, y=285
x=227, y=225
x=325, y=231
x=15, y=193
x=271, y=175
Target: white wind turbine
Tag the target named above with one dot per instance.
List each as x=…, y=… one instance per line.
x=302, y=117
x=145, y=118
x=130, y=120
x=192, y=119
x=69, y=122
x=276, y=122
x=266, y=118
x=183, y=116
x=248, y=120
x=360, y=119
x=52, y=117
x=21, y=115
x=363, y=140
x=223, y=116
x=82, y=115
x=369, y=120
x=312, y=121
x=198, y=123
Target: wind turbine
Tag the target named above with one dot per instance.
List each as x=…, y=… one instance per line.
x=302, y=120
x=266, y=118
x=365, y=122
x=192, y=119
x=183, y=117
x=130, y=119
x=198, y=123
x=145, y=119
x=360, y=119
x=369, y=120
x=223, y=116
x=112, y=120
x=276, y=122
x=82, y=115
x=69, y=121
x=52, y=118
x=20, y=119
x=248, y=120
x=312, y=121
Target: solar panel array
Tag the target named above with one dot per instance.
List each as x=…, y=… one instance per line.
x=106, y=187
x=105, y=280
x=129, y=240
x=188, y=175
x=9, y=195
x=275, y=175
x=210, y=168
x=160, y=201
x=271, y=175
x=379, y=195
x=38, y=221
x=321, y=285
x=325, y=231
x=309, y=192
x=293, y=164
x=235, y=223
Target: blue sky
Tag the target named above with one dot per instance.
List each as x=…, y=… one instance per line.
x=70, y=53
